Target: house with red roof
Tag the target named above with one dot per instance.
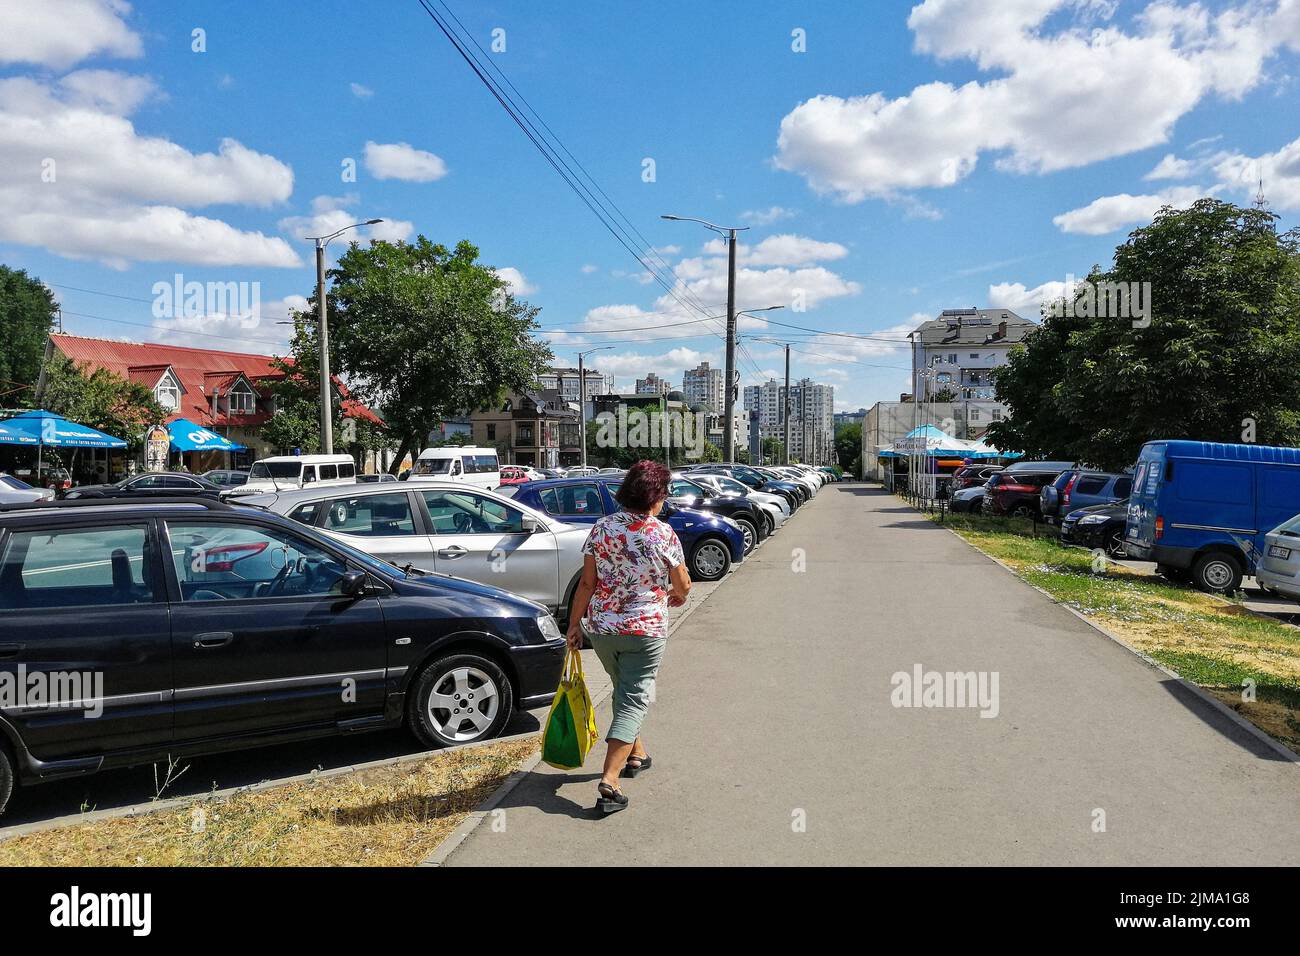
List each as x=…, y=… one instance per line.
x=225, y=392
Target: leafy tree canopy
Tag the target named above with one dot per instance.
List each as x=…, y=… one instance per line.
x=27, y=311
x=101, y=399
x=1217, y=359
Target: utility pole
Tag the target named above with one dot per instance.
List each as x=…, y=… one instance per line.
x=322, y=316
x=582, y=397
x=729, y=400
x=785, y=448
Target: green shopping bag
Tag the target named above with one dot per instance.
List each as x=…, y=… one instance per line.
x=570, y=726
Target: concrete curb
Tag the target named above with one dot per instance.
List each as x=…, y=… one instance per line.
x=1284, y=752
x=447, y=847
x=174, y=803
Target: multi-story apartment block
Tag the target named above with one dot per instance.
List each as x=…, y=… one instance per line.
x=954, y=356
x=702, y=385
x=565, y=381
x=652, y=384
x=812, y=422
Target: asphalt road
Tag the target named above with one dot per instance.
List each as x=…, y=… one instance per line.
x=776, y=741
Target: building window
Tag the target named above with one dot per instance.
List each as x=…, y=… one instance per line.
x=492, y=431
x=242, y=402
x=524, y=435
x=169, y=396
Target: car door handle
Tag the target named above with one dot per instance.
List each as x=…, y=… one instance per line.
x=455, y=551
x=213, y=639
x=10, y=651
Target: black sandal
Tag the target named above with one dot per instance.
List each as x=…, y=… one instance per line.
x=642, y=763
x=610, y=799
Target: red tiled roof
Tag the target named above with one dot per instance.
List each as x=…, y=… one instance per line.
x=197, y=369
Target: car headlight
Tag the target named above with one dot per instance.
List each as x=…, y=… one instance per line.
x=549, y=628
x=729, y=522
x=1092, y=519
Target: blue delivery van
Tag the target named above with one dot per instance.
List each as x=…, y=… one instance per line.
x=1200, y=510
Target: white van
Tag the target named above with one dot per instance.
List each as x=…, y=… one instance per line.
x=282, y=472
x=474, y=466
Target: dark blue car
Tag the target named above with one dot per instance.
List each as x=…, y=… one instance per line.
x=712, y=542
x=1201, y=510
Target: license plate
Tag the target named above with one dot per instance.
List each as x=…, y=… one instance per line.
x=1275, y=551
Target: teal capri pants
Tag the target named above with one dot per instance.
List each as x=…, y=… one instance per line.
x=631, y=661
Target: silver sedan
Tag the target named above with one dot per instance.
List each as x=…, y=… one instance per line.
x=449, y=528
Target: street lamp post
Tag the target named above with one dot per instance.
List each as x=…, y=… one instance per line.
x=582, y=397
x=322, y=316
x=729, y=400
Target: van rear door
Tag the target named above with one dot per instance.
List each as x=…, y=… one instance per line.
x=1140, y=531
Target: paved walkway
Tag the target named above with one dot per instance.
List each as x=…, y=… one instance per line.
x=776, y=742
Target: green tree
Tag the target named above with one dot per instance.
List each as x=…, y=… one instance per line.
x=1218, y=359
x=101, y=399
x=27, y=311
x=420, y=332
x=848, y=445
x=773, y=449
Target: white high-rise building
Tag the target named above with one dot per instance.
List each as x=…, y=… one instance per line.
x=652, y=384
x=812, y=417
x=702, y=385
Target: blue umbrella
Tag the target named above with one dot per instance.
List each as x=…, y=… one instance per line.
x=9, y=436
x=43, y=428
x=187, y=436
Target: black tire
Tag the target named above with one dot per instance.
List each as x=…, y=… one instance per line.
x=769, y=525
x=750, y=532
x=6, y=776
x=710, y=560
x=434, y=727
x=1217, y=572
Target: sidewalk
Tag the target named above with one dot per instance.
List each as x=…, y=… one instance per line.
x=774, y=711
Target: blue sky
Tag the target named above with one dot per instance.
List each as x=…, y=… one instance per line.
x=910, y=158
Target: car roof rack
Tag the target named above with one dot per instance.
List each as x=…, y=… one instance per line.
x=59, y=504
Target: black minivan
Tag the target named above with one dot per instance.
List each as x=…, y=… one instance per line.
x=130, y=632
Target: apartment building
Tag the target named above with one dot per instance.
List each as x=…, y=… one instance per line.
x=702, y=385
x=565, y=381
x=652, y=384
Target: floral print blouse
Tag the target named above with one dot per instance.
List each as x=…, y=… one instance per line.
x=634, y=554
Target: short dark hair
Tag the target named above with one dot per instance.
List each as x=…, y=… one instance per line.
x=645, y=483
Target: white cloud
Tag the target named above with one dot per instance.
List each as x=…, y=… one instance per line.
x=361, y=92
x=59, y=33
x=1171, y=167
x=332, y=213
x=260, y=332
x=765, y=217
x=516, y=281
x=1023, y=301
x=1112, y=213
x=403, y=161
x=588, y=269
x=1280, y=172
x=79, y=180
x=782, y=250
x=1070, y=85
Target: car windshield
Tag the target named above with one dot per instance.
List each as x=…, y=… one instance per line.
x=432, y=466
x=13, y=482
x=276, y=469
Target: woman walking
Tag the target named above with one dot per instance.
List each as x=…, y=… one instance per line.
x=633, y=572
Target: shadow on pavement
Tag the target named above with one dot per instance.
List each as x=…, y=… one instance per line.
x=540, y=791
x=1216, y=720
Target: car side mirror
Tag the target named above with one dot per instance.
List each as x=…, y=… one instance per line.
x=529, y=525
x=353, y=583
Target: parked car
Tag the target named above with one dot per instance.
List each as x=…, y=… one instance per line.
x=1097, y=526
x=15, y=491
x=1079, y=488
x=712, y=543
x=450, y=528
x=967, y=500
x=581, y=471
x=1015, y=493
x=612, y=471
x=217, y=627
x=282, y=472
x=682, y=492
x=151, y=484
x=517, y=474
x=1203, y=510
x=794, y=493
x=468, y=464
x=972, y=476
x=381, y=478
x=1055, y=467
x=1279, y=567
x=226, y=478
x=777, y=508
